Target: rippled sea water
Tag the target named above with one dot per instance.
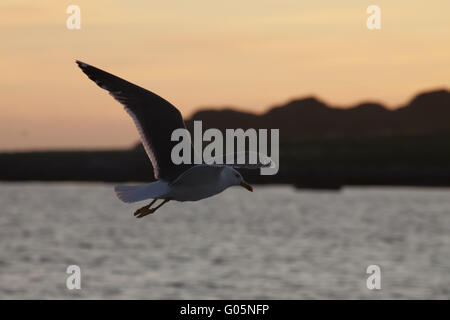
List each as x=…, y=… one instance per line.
x=277, y=242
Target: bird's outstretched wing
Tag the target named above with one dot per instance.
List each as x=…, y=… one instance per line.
x=155, y=119
x=242, y=160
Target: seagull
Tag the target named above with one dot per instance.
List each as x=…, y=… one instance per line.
x=156, y=119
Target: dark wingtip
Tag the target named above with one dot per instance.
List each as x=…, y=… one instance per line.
x=81, y=64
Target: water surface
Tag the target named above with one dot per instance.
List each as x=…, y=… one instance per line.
x=277, y=242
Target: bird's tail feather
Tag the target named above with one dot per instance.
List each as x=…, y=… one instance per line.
x=130, y=194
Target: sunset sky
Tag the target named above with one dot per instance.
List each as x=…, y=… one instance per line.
x=249, y=54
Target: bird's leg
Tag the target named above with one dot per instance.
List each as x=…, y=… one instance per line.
x=151, y=210
x=145, y=209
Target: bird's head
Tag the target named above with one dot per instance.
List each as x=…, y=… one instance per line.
x=234, y=178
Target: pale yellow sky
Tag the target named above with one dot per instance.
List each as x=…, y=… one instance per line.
x=250, y=54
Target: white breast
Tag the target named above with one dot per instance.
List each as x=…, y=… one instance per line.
x=197, y=183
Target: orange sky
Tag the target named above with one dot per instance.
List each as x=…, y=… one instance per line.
x=251, y=54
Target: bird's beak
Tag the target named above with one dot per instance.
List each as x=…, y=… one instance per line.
x=247, y=186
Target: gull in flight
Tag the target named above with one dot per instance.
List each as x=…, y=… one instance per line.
x=156, y=119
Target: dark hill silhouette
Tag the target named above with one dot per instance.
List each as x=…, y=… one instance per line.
x=427, y=113
x=321, y=147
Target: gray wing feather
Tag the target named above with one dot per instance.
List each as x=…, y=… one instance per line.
x=155, y=119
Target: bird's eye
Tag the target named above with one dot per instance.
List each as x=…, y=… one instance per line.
x=236, y=175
